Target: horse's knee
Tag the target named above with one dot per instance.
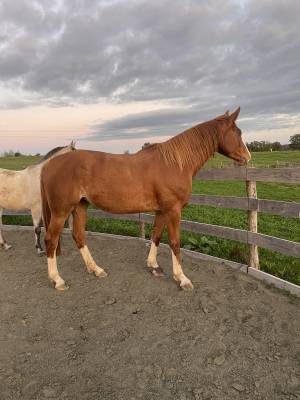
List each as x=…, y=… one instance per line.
x=175, y=247
x=156, y=239
x=79, y=239
x=50, y=245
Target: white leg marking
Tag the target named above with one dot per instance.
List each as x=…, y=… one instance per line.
x=178, y=274
x=91, y=266
x=54, y=275
x=6, y=246
x=151, y=260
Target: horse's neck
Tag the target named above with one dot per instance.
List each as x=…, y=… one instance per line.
x=211, y=149
x=203, y=146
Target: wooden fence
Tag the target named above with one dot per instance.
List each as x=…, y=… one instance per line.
x=251, y=204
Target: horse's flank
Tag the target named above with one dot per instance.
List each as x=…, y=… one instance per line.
x=18, y=189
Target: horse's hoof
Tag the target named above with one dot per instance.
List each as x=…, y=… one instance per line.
x=40, y=252
x=61, y=287
x=157, y=272
x=187, y=286
x=101, y=273
x=6, y=246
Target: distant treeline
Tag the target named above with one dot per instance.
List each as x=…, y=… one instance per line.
x=12, y=153
x=275, y=146
x=267, y=146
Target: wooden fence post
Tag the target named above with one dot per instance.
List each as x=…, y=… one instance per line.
x=142, y=228
x=252, y=225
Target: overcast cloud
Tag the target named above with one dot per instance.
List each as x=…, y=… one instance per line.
x=197, y=57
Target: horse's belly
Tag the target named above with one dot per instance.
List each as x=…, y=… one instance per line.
x=14, y=199
x=124, y=202
x=13, y=203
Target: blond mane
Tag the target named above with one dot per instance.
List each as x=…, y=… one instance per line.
x=191, y=147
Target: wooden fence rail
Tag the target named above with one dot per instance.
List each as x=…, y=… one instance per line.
x=282, y=208
x=290, y=175
x=250, y=203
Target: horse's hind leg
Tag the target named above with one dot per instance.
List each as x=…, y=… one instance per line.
x=78, y=233
x=2, y=240
x=51, y=241
x=173, y=225
x=158, y=228
x=36, y=213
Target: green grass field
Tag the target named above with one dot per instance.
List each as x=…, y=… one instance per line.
x=18, y=162
x=288, y=228
x=264, y=159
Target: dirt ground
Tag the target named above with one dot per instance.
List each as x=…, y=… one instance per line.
x=133, y=336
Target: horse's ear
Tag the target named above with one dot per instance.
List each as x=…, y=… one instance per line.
x=235, y=114
x=72, y=144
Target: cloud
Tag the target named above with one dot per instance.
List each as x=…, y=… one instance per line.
x=169, y=122
x=201, y=57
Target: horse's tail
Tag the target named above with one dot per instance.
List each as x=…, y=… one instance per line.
x=47, y=214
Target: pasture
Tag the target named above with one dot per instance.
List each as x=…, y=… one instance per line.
x=283, y=266
x=266, y=159
x=134, y=336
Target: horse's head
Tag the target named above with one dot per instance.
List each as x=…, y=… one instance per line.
x=230, y=142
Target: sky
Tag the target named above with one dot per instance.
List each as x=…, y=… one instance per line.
x=114, y=74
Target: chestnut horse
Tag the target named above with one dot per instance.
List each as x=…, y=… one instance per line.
x=158, y=178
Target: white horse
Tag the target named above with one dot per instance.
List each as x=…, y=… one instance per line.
x=21, y=190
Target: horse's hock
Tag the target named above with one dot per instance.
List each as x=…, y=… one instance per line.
x=134, y=336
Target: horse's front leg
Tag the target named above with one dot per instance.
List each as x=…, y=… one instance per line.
x=158, y=228
x=173, y=225
x=2, y=240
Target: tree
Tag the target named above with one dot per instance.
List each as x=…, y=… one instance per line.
x=145, y=145
x=295, y=142
x=276, y=146
x=9, y=153
x=264, y=146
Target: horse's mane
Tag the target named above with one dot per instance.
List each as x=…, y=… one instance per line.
x=192, y=146
x=49, y=154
